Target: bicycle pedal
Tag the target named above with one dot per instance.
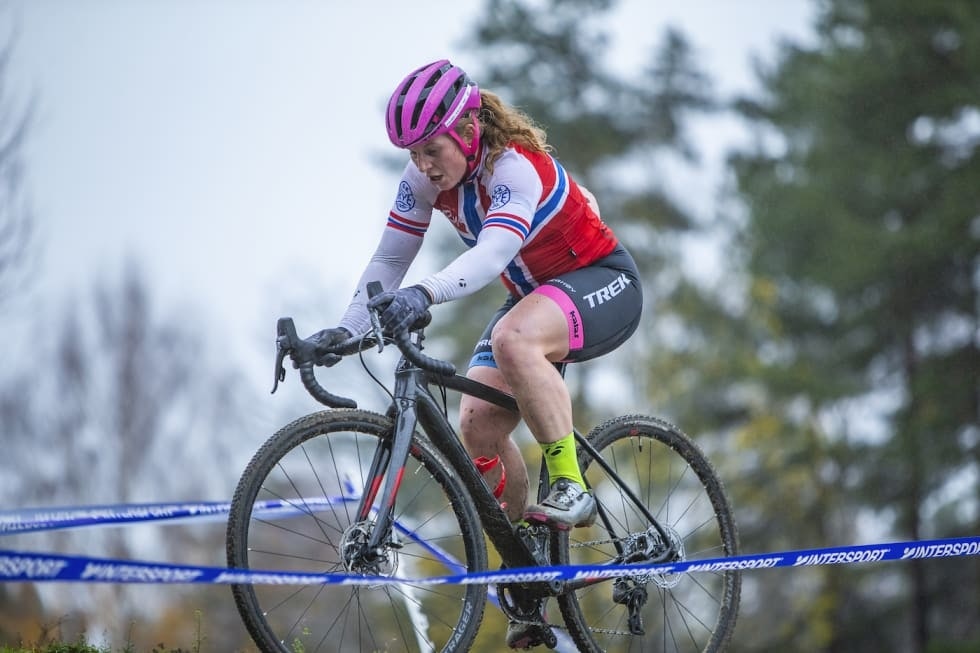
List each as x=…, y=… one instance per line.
x=537, y=538
x=524, y=636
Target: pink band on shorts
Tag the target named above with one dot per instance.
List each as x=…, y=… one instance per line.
x=576, y=335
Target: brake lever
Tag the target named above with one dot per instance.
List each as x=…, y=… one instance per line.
x=280, y=370
x=373, y=289
x=285, y=343
x=376, y=331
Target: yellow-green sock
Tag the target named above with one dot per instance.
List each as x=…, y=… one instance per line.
x=561, y=461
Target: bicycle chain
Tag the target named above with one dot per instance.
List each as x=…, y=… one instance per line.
x=578, y=545
x=601, y=631
x=609, y=631
x=539, y=623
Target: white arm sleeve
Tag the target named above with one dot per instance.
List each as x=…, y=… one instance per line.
x=476, y=267
x=390, y=262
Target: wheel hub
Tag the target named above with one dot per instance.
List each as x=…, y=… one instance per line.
x=360, y=559
x=649, y=546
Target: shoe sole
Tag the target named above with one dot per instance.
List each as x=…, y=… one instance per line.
x=543, y=518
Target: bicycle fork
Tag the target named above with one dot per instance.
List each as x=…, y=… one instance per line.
x=388, y=466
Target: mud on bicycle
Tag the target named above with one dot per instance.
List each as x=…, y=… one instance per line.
x=396, y=495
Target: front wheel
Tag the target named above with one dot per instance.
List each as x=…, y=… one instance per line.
x=295, y=510
x=669, y=474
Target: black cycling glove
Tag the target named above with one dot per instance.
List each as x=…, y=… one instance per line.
x=403, y=307
x=323, y=340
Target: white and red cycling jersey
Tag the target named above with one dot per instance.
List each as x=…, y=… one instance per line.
x=526, y=221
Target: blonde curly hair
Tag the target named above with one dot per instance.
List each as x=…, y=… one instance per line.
x=501, y=125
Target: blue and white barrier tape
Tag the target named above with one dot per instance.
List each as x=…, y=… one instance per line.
x=34, y=567
x=29, y=521
x=33, y=520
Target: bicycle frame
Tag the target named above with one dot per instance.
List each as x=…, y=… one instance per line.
x=416, y=425
x=482, y=391
x=413, y=405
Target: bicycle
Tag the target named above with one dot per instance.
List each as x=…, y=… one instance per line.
x=396, y=494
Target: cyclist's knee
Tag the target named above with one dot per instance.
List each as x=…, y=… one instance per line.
x=512, y=349
x=517, y=341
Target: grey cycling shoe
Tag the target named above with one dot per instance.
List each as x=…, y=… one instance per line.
x=568, y=506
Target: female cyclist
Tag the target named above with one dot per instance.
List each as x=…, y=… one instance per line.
x=574, y=289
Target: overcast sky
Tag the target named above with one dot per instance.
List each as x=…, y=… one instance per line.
x=230, y=145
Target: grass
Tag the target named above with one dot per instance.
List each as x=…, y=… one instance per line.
x=82, y=647
x=47, y=645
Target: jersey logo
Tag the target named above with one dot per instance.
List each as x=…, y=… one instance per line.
x=405, y=201
x=499, y=197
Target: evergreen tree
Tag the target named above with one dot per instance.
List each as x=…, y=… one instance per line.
x=862, y=237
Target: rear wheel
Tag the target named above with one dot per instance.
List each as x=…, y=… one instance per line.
x=652, y=612
x=294, y=510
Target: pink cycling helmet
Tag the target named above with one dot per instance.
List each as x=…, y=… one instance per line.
x=429, y=102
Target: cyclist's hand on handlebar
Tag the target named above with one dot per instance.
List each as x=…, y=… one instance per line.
x=324, y=340
x=402, y=307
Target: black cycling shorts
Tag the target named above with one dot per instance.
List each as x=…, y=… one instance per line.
x=601, y=302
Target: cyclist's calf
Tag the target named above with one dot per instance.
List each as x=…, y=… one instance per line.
x=486, y=431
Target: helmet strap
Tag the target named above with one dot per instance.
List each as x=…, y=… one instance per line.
x=471, y=150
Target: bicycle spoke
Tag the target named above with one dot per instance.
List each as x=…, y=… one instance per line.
x=309, y=468
x=676, y=612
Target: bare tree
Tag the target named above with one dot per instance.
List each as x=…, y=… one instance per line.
x=121, y=405
x=16, y=219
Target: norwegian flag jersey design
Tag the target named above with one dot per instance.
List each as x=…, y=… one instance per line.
x=528, y=194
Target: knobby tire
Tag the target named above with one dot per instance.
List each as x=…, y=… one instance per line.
x=690, y=612
x=318, y=465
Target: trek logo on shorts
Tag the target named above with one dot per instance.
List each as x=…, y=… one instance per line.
x=608, y=292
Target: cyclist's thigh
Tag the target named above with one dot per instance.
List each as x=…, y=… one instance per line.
x=602, y=304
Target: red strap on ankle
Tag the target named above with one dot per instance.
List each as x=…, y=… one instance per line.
x=485, y=464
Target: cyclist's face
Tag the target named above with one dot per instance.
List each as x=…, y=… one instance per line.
x=441, y=160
